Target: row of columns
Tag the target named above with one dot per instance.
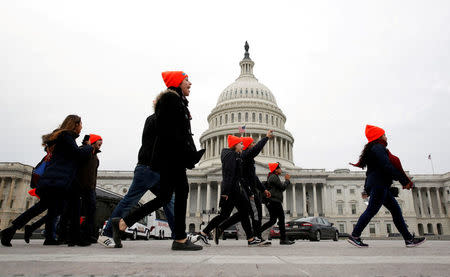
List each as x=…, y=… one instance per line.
x=198, y=190
x=277, y=147
x=10, y=193
x=422, y=205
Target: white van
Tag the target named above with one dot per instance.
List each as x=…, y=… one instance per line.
x=154, y=225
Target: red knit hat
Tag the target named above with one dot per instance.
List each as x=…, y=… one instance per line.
x=373, y=132
x=247, y=141
x=173, y=78
x=232, y=140
x=273, y=166
x=93, y=138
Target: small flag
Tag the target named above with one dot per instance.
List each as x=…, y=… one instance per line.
x=429, y=156
x=242, y=129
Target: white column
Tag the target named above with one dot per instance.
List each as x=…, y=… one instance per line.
x=218, y=195
x=438, y=202
x=284, y=201
x=197, y=212
x=2, y=186
x=207, y=148
x=422, y=209
x=208, y=196
x=188, y=206
x=275, y=139
x=324, y=199
x=429, y=202
x=315, y=200
x=294, y=203
x=217, y=147
x=305, y=212
x=11, y=191
x=284, y=149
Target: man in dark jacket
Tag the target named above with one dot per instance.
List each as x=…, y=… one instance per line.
x=232, y=196
x=275, y=203
x=174, y=152
x=253, y=187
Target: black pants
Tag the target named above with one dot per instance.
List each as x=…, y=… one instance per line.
x=53, y=199
x=235, y=199
x=88, y=203
x=170, y=182
x=29, y=214
x=276, y=212
x=255, y=213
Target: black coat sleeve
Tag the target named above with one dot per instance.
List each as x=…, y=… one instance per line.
x=251, y=153
x=275, y=181
x=382, y=160
x=82, y=154
x=260, y=186
x=229, y=165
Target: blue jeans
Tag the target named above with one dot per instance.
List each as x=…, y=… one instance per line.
x=144, y=179
x=380, y=195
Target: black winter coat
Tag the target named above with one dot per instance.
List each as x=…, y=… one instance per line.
x=250, y=180
x=276, y=188
x=86, y=177
x=231, y=171
x=380, y=171
x=148, y=141
x=66, y=158
x=175, y=147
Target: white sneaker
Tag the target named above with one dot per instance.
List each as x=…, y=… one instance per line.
x=106, y=241
x=200, y=238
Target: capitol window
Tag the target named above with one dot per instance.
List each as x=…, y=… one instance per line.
x=215, y=121
x=352, y=191
x=272, y=119
x=253, y=117
x=276, y=121
x=340, y=208
x=353, y=208
x=239, y=117
x=232, y=118
x=339, y=191
x=267, y=118
x=226, y=119
x=260, y=118
x=220, y=120
x=246, y=117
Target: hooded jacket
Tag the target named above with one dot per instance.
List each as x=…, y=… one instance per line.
x=174, y=146
x=276, y=187
x=380, y=170
x=148, y=141
x=231, y=171
x=249, y=177
x=66, y=158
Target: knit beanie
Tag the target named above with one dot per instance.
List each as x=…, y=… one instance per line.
x=373, y=132
x=247, y=141
x=173, y=78
x=273, y=166
x=232, y=140
x=94, y=138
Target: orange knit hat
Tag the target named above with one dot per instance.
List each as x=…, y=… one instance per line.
x=232, y=140
x=173, y=78
x=373, y=132
x=273, y=166
x=247, y=141
x=93, y=138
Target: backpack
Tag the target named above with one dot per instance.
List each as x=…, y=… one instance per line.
x=39, y=170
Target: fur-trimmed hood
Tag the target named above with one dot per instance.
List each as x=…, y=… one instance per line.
x=169, y=90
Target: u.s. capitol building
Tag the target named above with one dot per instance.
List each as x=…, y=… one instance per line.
x=335, y=195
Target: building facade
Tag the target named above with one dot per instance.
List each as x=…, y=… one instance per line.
x=335, y=195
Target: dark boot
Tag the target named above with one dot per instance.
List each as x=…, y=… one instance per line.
x=7, y=236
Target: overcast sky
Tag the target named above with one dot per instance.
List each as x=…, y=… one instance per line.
x=333, y=67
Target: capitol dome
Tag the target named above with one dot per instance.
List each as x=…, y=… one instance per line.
x=249, y=103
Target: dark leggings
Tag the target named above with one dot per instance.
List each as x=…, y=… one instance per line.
x=238, y=200
x=255, y=213
x=276, y=212
x=170, y=182
x=380, y=195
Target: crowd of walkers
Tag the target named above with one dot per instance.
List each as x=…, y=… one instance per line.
x=66, y=187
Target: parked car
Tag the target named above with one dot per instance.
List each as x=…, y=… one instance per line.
x=274, y=233
x=231, y=232
x=312, y=228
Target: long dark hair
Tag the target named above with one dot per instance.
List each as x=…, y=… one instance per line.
x=69, y=124
x=365, y=152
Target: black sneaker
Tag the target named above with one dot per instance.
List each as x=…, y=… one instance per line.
x=116, y=232
x=186, y=246
x=356, y=242
x=51, y=242
x=254, y=242
x=217, y=233
x=7, y=236
x=28, y=233
x=286, y=242
x=413, y=242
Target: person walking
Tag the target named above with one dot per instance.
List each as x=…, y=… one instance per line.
x=254, y=188
x=382, y=169
x=146, y=178
x=275, y=203
x=232, y=195
x=54, y=184
x=174, y=152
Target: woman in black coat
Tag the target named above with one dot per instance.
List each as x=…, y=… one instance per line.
x=382, y=169
x=58, y=176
